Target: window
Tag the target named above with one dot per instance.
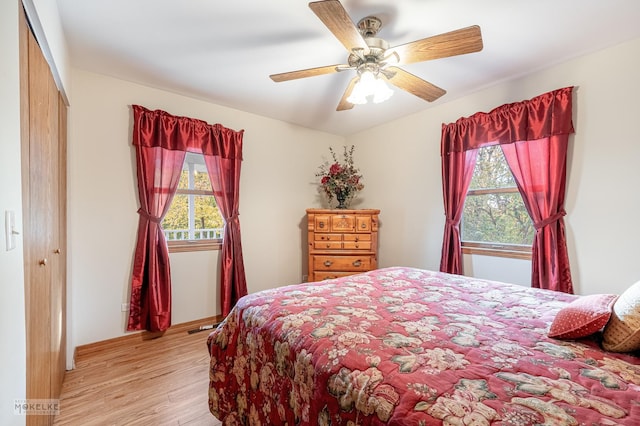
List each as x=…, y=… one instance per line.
x=495, y=220
x=193, y=221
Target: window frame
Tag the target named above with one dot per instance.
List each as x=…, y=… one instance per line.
x=496, y=249
x=194, y=245
x=512, y=251
x=181, y=246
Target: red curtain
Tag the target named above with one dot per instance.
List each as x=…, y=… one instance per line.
x=457, y=171
x=547, y=116
x=539, y=168
x=158, y=176
x=225, y=179
x=162, y=141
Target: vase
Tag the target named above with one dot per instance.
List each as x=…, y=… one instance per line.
x=342, y=199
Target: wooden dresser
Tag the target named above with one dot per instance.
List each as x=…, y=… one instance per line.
x=342, y=242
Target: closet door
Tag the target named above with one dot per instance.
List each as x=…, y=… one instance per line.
x=44, y=230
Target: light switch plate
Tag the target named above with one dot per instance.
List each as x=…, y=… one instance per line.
x=10, y=229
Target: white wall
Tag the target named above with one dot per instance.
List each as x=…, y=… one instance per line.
x=12, y=332
x=401, y=166
x=515, y=271
x=277, y=185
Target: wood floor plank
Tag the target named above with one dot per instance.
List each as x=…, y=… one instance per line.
x=140, y=381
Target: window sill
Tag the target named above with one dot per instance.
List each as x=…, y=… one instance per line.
x=516, y=252
x=187, y=246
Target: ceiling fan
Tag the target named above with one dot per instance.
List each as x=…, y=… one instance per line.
x=373, y=59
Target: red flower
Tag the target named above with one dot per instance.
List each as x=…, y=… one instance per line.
x=335, y=169
x=324, y=180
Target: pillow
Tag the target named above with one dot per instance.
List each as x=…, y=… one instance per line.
x=622, y=333
x=582, y=317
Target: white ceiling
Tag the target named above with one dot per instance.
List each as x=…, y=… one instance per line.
x=224, y=51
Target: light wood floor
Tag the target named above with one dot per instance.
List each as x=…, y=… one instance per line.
x=140, y=380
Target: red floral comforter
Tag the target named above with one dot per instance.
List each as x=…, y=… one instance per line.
x=402, y=346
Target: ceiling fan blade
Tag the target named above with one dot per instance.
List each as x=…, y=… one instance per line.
x=334, y=17
x=414, y=85
x=458, y=42
x=344, y=104
x=309, y=72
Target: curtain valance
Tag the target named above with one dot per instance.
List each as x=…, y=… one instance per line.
x=543, y=116
x=160, y=129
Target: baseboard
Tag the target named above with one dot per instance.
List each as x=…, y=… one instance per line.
x=143, y=335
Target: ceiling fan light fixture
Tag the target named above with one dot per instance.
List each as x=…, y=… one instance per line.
x=357, y=97
x=382, y=91
x=369, y=86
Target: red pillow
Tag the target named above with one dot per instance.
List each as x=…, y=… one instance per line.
x=583, y=316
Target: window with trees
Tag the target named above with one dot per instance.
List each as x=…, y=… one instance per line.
x=193, y=221
x=495, y=220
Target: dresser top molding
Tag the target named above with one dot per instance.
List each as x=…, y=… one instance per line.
x=344, y=211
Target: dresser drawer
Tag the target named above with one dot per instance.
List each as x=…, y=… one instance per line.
x=319, y=276
x=356, y=245
x=327, y=245
x=343, y=223
x=363, y=223
x=328, y=237
x=322, y=223
x=357, y=237
x=342, y=263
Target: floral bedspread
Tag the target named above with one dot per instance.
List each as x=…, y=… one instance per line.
x=403, y=346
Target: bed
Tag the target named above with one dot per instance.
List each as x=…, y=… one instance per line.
x=405, y=346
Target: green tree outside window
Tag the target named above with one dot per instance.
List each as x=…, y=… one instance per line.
x=193, y=208
x=494, y=211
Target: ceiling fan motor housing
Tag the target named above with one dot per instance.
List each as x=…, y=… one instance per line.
x=377, y=48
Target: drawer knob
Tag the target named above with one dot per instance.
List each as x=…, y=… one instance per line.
x=363, y=226
x=328, y=263
x=321, y=225
x=357, y=263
